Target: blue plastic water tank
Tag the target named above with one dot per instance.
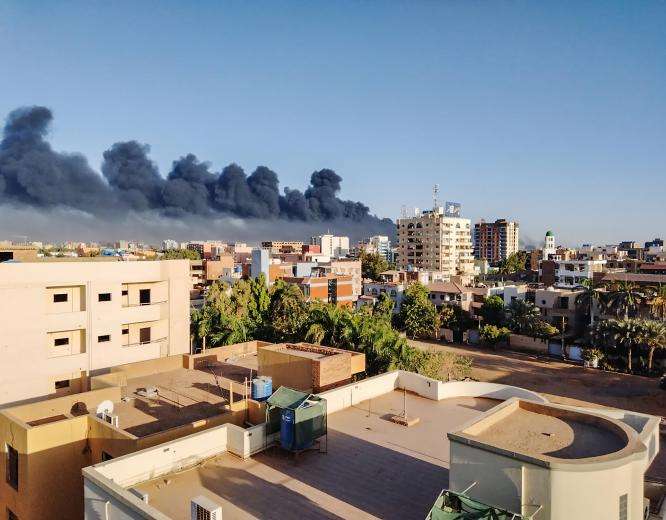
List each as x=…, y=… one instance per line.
x=262, y=388
x=287, y=421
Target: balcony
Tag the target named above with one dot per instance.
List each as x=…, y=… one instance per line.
x=152, y=311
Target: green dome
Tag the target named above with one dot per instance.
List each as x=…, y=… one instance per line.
x=549, y=233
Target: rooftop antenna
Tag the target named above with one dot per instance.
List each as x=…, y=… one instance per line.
x=435, y=197
x=403, y=211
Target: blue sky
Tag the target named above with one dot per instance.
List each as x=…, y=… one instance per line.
x=549, y=112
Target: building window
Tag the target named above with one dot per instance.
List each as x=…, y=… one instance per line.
x=62, y=384
x=125, y=292
x=60, y=342
x=60, y=298
x=104, y=297
x=12, y=467
x=104, y=338
x=125, y=331
x=144, y=296
x=623, y=507
x=144, y=335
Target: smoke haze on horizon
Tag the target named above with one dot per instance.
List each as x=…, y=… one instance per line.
x=131, y=196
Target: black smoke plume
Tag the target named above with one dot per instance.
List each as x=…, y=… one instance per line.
x=33, y=174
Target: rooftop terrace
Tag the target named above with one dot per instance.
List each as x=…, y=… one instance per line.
x=373, y=468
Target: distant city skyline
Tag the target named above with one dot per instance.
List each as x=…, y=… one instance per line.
x=550, y=114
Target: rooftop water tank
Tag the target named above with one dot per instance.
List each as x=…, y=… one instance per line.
x=262, y=388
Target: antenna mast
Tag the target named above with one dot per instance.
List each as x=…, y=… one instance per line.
x=435, y=197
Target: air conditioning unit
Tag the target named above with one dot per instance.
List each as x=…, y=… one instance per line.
x=203, y=508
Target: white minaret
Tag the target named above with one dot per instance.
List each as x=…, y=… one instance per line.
x=549, y=245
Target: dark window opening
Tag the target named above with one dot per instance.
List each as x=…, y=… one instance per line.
x=104, y=338
x=144, y=335
x=62, y=384
x=104, y=297
x=11, y=515
x=125, y=292
x=60, y=298
x=125, y=331
x=60, y=342
x=144, y=296
x=106, y=456
x=12, y=467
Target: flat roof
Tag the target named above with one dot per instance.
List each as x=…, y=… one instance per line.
x=546, y=431
x=373, y=468
x=184, y=396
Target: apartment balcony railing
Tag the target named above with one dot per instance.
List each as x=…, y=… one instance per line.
x=144, y=343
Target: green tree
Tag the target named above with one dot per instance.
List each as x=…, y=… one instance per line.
x=492, y=311
x=492, y=335
x=653, y=335
x=372, y=264
x=658, y=303
x=326, y=324
x=524, y=318
x=627, y=333
x=514, y=263
x=625, y=298
x=590, y=298
x=287, y=312
x=180, y=254
x=418, y=316
x=383, y=308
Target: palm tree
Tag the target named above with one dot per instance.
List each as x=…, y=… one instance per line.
x=654, y=337
x=658, y=303
x=326, y=323
x=627, y=333
x=523, y=317
x=625, y=298
x=590, y=298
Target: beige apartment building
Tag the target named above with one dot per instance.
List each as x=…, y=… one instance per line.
x=63, y=321
x=435, y=242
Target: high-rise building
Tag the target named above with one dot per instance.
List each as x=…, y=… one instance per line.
x=331, y=245
x=495, y=241
x=433, y=241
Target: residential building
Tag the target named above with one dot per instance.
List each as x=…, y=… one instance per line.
x=260, y=263
x=572, y=273
x=436, y=242
x=63, y=321
x=495, y=241
x=505, y=447
x=18, y=253
x=394, y=290
x=331, y=245
x=337, y=289
x=379, y=244
x=169, y=244
x=221, y=267
x=347, y=267
x=280, y=246
x=558, y=307
x=129, y=408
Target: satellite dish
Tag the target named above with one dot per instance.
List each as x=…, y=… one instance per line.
x=105, y=407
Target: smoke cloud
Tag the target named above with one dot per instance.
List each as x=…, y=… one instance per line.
x=33, y=174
